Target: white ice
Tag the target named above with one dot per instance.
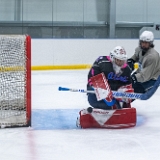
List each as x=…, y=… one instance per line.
x=138, y=143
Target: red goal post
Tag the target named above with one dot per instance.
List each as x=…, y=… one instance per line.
x=15, y=81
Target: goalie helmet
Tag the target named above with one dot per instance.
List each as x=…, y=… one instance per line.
x=111, y=55
x=147, y=36
x=119, y=53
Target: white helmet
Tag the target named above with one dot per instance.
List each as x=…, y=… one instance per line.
x=147, y=36
x=119, y=53
x=111, y=55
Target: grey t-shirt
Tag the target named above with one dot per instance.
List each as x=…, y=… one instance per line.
x=149, y=64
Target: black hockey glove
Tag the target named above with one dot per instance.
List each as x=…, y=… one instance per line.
x=130, y=63
x=134, y=79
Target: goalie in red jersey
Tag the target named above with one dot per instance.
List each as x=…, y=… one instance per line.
x=114, y=71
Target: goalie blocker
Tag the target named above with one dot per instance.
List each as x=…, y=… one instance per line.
x=111, y=119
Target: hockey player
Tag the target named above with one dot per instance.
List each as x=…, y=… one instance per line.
x=149, y=63
x=117, y=73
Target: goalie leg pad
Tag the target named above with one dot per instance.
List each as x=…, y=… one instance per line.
x=113, y=119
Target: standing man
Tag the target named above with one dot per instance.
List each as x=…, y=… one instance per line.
x=149, y=63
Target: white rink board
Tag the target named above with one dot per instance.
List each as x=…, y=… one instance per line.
x=79, y=51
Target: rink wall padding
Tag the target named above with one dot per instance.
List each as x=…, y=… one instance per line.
x=76, y=53
x=52, y=119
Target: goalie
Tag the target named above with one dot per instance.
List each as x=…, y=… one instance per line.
x=106, y=74
x=114, y=71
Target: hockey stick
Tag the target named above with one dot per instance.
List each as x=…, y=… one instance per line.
x=115, y=93
x=75, y=90
x=150, y=92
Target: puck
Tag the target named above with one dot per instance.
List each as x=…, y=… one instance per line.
x=90, y=109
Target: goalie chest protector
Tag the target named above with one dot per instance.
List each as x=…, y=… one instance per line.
x=111, y=119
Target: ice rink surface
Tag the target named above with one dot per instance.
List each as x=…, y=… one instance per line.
x=54, y=136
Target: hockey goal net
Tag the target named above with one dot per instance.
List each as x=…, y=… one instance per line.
x=15, y=80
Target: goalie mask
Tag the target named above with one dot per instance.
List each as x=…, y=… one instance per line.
x=119, y=58
x=120, y=53
x=111, y=55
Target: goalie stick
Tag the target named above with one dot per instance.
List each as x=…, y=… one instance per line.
x=117, y=94
x=150, y=92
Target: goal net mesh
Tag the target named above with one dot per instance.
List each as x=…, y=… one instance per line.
x=13, y=81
